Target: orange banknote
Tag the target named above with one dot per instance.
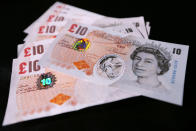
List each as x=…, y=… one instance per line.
x=48, y=15
x=38, y=92
x=54, y=19
x=130, y=63
x=59, y=12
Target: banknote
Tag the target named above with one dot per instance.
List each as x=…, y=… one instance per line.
x=128, y=29
x=106, y=58
x=37, y=92
x=59, y=11
x=55, y=6
x=137, y=21
x=53, y=20
x=49, y=30
x=52, y=30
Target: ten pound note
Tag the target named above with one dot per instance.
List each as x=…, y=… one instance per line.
x=53, y=20
x=37, y=92
x=155, y=68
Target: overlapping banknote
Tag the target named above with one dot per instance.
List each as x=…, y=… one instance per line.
x=73, y=59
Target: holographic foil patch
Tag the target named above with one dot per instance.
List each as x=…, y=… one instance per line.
x=81, y=44
x=46, y=80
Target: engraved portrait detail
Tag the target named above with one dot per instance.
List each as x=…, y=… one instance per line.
x=148, y=62
x=110, y=67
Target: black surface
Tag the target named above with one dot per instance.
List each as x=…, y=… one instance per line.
x=170, y=22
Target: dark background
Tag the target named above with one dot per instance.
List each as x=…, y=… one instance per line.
x=170, y=22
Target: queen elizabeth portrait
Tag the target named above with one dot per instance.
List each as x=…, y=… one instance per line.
x=148, y=62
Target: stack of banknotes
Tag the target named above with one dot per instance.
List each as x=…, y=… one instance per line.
x=73, y=58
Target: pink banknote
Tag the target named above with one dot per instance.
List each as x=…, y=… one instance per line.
x=38, y=92
x=130, y=63
x=54, y=19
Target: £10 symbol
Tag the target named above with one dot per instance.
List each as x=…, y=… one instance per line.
x=78, y=29
x=29, y=67
x=55, y=18
x=47, y=29
x=177, y=51
x=33, y=50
